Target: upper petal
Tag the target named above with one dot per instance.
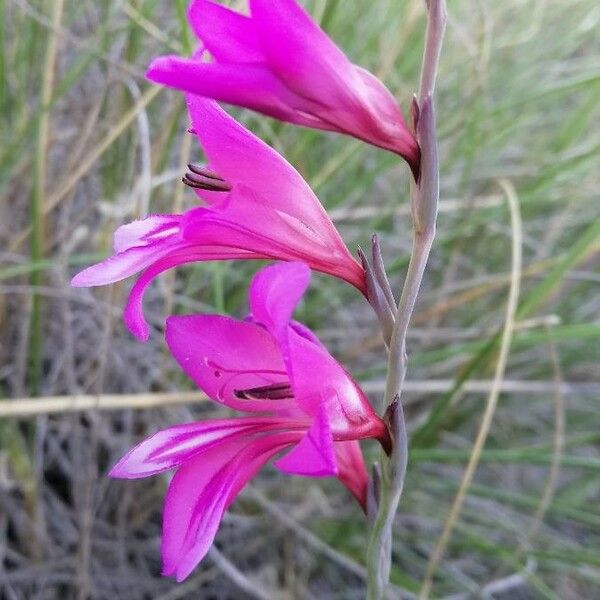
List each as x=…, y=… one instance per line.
x=251, y=85
x=248, y=163
x=320, y=382
x=226, y=34
x=226, y=358
x=300, y=52
x=274, y=293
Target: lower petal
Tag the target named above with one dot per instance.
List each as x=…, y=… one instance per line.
x=121, y=265
x=352, y=471
x=173, y=446
x=199, y=494
x=137, y=245
x=134, y=314
x=314, y=455
x=141, y=231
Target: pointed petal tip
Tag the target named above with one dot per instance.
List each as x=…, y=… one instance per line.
x=77, y=281
x=168, y=569
x=89, y=277
x=160, y=66
x=120, y=470
x=115, y=473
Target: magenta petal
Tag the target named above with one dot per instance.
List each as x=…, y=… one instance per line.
x=137, y=245
x=250, y=85
x=320, y=382
x=141, y=232
x=186, y=253
x=226, y=34
x=118, y=267
x=300, y=52
x=133, y=315
x=226, y=357
x=352, y=470
x=200, y=492
x=254, y=168
x=171, y=447
x=274, y=293
x=314, y=455
x=280, y=235
x=305, y=332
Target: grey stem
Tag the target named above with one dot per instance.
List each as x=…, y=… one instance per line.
x=424, y=202
x=436, y=25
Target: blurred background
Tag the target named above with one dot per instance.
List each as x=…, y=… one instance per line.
x=87, y=144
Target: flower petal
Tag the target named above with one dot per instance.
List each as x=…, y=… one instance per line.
x=200, y=492
x=280, y=236
x=246, y=161
x=173, y=446
x=301, y=53
x=318, y=381
x=314, y=455
x=226, y=358
x=250, y=85
x=137, y=245
x=118, y=267
x=144, y=231
x=352, y=470
x=303, y=331
x=385, y=125
x=274, y=293
x=134, y=314
x=226, y=34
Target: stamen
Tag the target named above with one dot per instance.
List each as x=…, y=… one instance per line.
x=200, y=178
x=274, y=391
x=200, y=170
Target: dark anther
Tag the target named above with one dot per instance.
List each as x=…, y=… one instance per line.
x=200, y=178
x=275, y=391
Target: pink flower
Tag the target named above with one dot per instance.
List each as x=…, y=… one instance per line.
x=257, y=206
x=279, y=62
x=300, y=400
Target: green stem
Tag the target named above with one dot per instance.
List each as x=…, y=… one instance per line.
x=37, y=201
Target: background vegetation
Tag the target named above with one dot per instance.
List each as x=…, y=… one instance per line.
x=88, y=144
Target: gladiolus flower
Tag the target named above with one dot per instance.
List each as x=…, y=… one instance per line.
x=300, y=400
x=257, y=206
x=279, y=62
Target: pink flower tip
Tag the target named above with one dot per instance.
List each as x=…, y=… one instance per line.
x=279, y=62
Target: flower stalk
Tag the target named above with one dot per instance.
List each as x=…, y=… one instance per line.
x=424, y=202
